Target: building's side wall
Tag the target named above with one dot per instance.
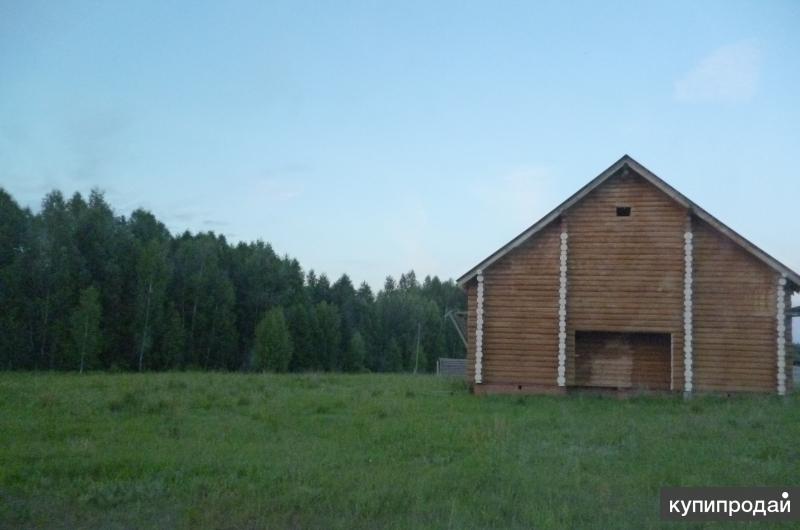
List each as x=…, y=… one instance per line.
x=520, y=334
x=626, y=273
x=735, y=311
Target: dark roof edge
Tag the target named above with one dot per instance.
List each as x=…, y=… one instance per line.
x=628, y=161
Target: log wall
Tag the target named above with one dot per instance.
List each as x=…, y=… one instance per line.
x=520, y=335
x=734, y=316
x=626, y=273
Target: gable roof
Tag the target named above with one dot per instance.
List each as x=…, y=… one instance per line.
x=628, y=162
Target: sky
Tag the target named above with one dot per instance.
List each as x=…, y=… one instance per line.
x=376, y=137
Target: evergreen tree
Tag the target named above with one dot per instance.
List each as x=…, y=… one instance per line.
x=320, y=289
x=13, y=225
x=366, y=322
x=152, y=275
x=394, y=356
x=343, y=296
x=85, y=329
x=55, y=278
x=15, y=316
x=356, y=354
x=107, y=258
x=408, y=281
x=364, y=294
x=207, y=298
x=172, y=352
x=432, y=338
x=255, y=274
x=330, y=338
x=273, y=343
x=305, y=332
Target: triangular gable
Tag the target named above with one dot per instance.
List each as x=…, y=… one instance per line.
x=627, y=161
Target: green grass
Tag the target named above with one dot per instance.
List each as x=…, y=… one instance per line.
x=333, y=451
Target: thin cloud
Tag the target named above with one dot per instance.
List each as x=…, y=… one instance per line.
x=729, y=74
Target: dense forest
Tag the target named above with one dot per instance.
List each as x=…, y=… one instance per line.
x=82, y=288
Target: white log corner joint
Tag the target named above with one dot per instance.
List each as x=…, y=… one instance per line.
x=561, y=380
x=479, y=331
x=781, y=326
x=687, y=313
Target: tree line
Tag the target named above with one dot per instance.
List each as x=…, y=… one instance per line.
x=82, y=288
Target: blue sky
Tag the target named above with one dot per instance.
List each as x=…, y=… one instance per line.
x=376, y=137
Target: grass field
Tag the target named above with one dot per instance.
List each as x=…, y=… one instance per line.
x=200, y=450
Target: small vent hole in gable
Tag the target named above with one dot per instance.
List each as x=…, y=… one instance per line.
x=623, y=211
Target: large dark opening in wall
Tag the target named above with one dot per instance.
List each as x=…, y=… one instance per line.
x=623, y=360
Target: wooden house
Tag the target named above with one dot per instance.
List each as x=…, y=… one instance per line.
x=629, y=285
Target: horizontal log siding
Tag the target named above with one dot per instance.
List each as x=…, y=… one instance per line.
x=626, y=273
x=520, y=328
x=735, y=311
